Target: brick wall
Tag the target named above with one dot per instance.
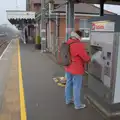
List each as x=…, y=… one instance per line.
x=62, y=31
x=62, y=28
x=35, y=5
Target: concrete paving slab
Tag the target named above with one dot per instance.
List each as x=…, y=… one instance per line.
x=10, y=108
x=5, y=62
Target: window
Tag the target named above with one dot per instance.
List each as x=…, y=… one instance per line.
x=85, y=28
x=36, y=7
x=56, y=5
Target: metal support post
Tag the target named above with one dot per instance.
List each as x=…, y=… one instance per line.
x=71, y=15
x=50, y=39
x=69, y=18
x=69, y=23
x=102, y=7
x=43, y=27
x=69, y=26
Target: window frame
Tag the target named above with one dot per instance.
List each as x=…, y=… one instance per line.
x=85, y=28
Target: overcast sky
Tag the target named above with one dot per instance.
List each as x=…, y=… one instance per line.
x=113, y=8
x=11, y=5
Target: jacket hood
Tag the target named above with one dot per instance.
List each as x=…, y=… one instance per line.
x=74, y=35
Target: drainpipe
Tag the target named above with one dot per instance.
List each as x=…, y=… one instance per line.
x=57, y=29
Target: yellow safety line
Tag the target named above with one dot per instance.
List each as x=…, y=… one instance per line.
x=21, y=89
x=56, y=80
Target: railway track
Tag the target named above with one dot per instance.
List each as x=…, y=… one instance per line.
x=3, y=45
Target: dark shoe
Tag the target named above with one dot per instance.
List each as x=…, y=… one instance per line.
x=71, y=102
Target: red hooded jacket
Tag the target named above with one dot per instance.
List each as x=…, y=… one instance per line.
x=79, y=57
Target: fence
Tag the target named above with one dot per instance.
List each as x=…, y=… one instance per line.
x=57, y=46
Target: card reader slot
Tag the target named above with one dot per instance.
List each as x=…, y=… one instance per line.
x=108, y=55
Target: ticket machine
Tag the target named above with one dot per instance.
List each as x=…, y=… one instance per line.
x=104, y=71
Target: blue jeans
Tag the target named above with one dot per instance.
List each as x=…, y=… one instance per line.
x=73, y=88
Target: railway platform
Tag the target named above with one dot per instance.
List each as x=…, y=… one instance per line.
x=29, y=92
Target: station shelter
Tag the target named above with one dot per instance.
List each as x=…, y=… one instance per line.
x=24, y=21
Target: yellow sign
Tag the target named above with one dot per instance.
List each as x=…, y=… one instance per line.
x=101, y=22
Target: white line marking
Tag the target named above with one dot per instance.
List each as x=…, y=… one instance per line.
x=5, y=50
x=4, y=59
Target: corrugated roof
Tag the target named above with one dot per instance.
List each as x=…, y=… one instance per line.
x=56, y=1
x=59, y=1
x=88, y=1
x=84, y=8
x=115, y=2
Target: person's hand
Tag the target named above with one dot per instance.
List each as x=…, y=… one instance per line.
x=93, y=58
x=96, y=56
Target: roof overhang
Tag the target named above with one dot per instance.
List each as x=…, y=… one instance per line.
x=13, y=14
x=76, y=14
x=114, y=2
x=79, y=13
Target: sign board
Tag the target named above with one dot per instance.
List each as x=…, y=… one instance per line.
x=103, y=26
x=43, y=30
x=43, y=38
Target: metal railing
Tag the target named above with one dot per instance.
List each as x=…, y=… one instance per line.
x=57, y=46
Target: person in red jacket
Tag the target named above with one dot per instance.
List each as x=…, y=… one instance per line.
x=75, y=71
